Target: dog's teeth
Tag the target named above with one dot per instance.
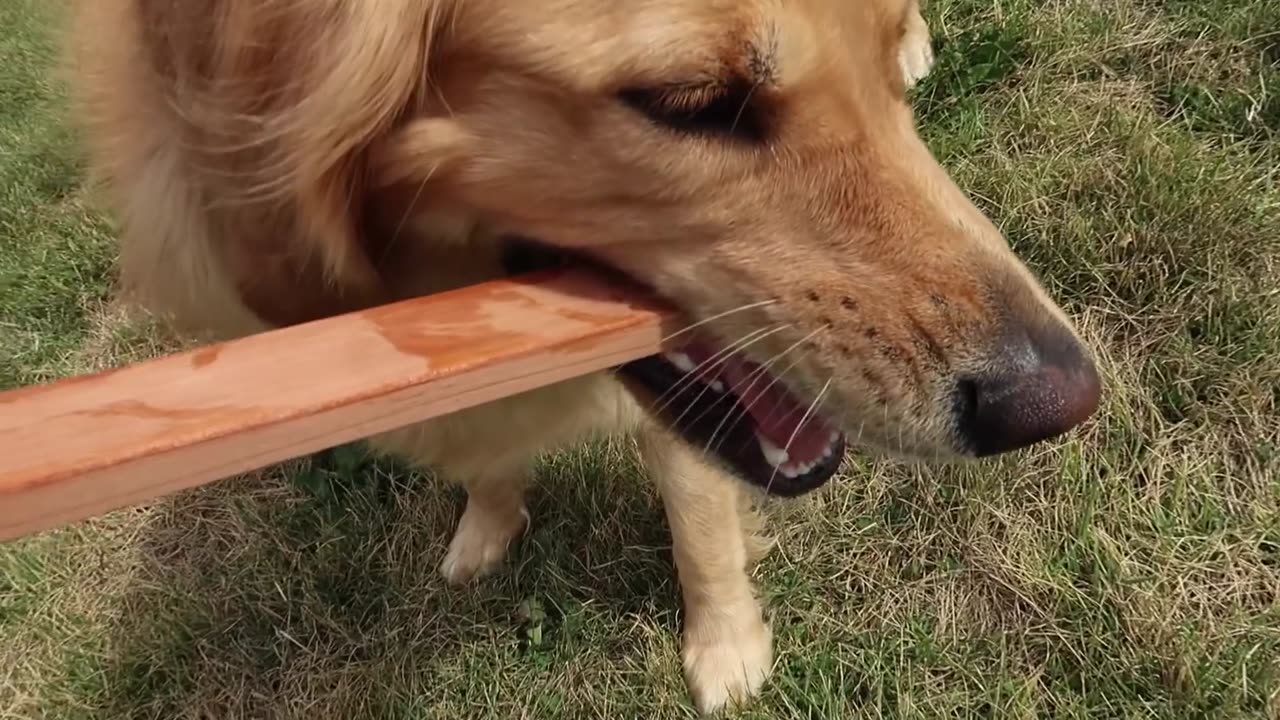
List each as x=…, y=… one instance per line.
x=683, y=362
x=717, y=386
x=776, y=456
x=795, y=470
x=831, y=439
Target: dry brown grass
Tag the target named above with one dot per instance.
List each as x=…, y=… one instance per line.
x=1129, y=150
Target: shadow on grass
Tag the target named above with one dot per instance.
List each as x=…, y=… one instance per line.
x=259, y=598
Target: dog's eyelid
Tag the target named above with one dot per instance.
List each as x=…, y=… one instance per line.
x=726, y=108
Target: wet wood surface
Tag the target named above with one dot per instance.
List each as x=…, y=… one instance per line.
x=89, y=444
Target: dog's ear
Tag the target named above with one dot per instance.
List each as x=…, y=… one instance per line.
x=419, y=151
x=352, y=81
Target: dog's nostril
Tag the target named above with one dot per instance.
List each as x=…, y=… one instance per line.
x=1001, y=412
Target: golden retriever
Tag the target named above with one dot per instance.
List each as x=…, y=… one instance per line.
x=754, y=162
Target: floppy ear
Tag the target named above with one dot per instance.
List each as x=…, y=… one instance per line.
x=350, y=82
x=419, y=151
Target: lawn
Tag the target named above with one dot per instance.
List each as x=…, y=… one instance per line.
x=1131, y=151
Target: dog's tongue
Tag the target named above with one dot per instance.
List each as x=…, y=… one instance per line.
x=777, y=415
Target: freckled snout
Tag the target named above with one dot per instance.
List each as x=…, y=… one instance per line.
x=1040, y=385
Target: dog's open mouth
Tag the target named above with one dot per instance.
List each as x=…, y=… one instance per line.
x=734, y=409
x=743, y=414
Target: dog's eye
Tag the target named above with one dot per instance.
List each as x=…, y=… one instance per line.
x=728, y=109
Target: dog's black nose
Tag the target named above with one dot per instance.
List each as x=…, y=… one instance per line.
x=1041, y=386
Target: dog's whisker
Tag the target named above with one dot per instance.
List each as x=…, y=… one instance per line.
x=408, y=212
x=718, y=316
x=780, y=377
x=701, y=370
x=734, y=416
x=695, y=374
x=799, y=426
x=772, y=414
x=754, y=377
x=742, y=108
x=777, y=377
x=715, y=443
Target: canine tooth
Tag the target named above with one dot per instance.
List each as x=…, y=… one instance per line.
x=776, y=456
x=789, y=471
x=717, y=386
x=683, y=362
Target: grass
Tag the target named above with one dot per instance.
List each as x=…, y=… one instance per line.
x=1130, y=150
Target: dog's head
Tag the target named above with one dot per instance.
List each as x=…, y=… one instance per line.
x=756, y=163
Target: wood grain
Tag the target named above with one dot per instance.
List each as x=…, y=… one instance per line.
x=85, y=445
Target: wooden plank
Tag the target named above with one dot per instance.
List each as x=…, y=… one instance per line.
x=85, y=445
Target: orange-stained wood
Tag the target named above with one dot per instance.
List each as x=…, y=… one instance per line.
x=89, y=444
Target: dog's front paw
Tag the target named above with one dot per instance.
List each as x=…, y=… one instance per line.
x=480, y=543
x=915, y=53
x=727, y=657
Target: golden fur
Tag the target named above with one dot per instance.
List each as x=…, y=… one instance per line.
x=275, y=161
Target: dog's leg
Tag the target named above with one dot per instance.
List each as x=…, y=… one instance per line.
x=494, y=516
x=462, y=448
x=491, y=449
x=915, y=51
x=727, y=647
